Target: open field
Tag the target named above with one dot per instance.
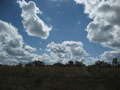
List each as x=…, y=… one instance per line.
x=59, y=78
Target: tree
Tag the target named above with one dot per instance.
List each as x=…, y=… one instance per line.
x=98, y=63
x=101, y=63
x=115, y=62
x=38, y=63
x=78, y=63
x=70, y=63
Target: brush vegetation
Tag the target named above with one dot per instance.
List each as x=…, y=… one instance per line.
x=60, y=77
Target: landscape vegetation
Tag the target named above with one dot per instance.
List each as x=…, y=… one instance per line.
x=71, y=76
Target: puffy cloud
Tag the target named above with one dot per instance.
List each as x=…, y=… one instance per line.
x=29, y=48
x=105, y=27
x=63, y=52
x=13, y=50
x=33, y=25
x=11, y=46
x=9, y=35
x=47, y=59
x=67, y=50
x=110, y=55
x=90, y=60
x=7, y=59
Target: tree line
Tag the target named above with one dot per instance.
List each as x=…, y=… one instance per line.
x=99, y=63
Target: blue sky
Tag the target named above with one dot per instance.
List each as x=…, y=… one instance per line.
x=68, y=22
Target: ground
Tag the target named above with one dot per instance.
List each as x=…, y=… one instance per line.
x=59, y=78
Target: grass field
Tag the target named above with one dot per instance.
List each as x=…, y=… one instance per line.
x=59, y=78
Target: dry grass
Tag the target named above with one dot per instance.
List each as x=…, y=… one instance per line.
x=59, y=78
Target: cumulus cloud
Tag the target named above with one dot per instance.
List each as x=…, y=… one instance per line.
x=105, y=27
x=12, y=38
x=13, y=49
x=11, y=46
x=29, y=48
x=65, y=51
x=110, y=55
x=33, y=25
x=47, y=59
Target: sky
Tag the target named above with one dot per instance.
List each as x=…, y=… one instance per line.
x=59, y=30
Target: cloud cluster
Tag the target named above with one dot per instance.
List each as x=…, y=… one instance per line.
x=33, y=25
x=109, y=55
x=12, y=49
x=67, y=50
x=105, y=27
x=63, y=52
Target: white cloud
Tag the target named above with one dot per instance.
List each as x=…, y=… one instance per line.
x=29, y=48
x=9, y=35
x=13, y=50
x=47, y=59
x=90, y=60
x=33, y=25
x=11, y=46
x=105, y=27
x=65, y=51
x=110, y=55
